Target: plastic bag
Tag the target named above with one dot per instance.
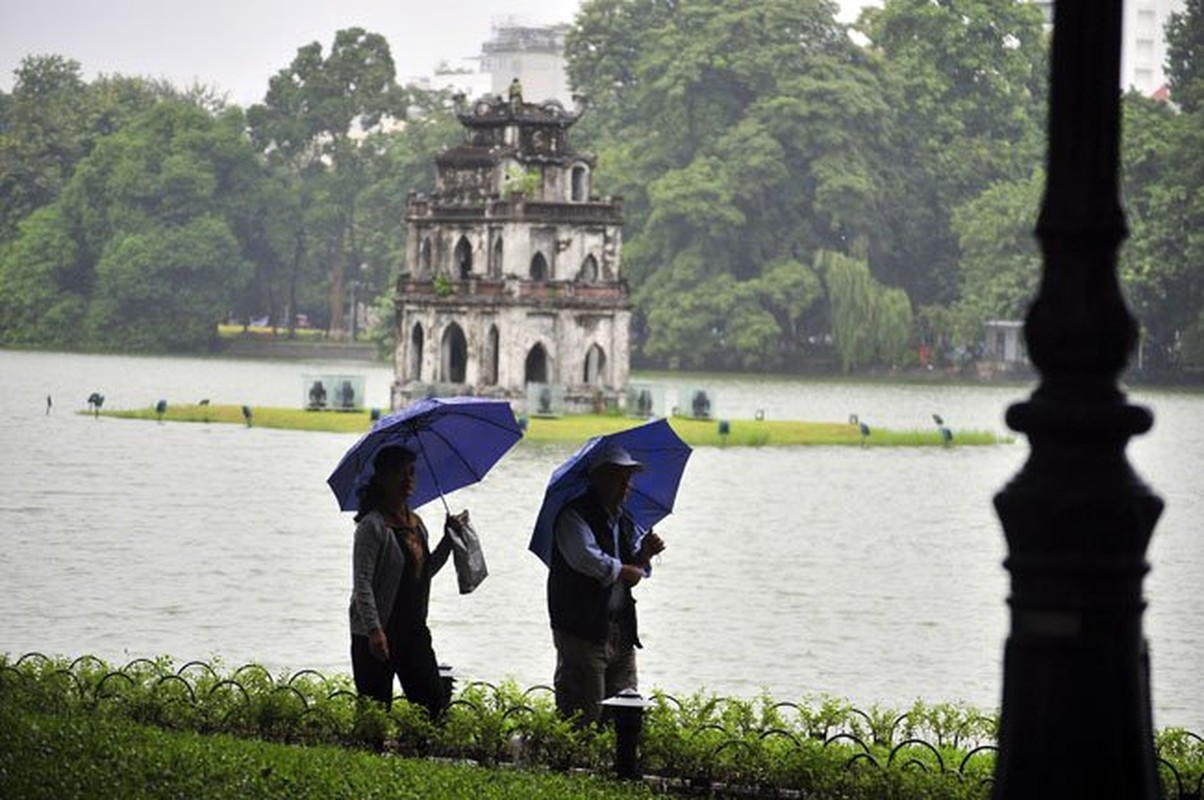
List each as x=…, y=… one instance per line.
x=467, y=556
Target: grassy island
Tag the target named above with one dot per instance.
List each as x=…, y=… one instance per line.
x=578, y=428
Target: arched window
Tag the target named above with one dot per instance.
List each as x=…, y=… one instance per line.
x=491, y=356
x=589, y=270
x=416, y=339
x=424, y=255
x=595, y=365
x=536, y=368
x=539, y=268
x=495, y=264
x=463, y=258
x=453, y=355
x=579, y=191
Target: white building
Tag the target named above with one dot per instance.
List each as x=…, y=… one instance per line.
x=532, y=54
x=1143, y=42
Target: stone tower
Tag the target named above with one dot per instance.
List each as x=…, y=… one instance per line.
x=511, y=282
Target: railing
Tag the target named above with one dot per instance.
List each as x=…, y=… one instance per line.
x=606, y=212
x=692, y=745
x=493, y=288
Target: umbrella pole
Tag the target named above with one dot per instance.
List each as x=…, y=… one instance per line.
x=434, y=477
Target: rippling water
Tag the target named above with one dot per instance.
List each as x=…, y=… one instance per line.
x=870, y=574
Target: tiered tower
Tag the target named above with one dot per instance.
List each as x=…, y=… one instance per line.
x=511, y=285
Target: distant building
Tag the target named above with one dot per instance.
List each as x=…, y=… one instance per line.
x=511, y=283
x=466, y=82
x=1143, y=42
x=1003, y=348
x=534, y=54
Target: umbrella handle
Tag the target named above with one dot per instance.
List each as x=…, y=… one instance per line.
x=434, y=477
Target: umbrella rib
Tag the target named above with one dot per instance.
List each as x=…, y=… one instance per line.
x=404, y=431
x=453, y=451
x=434, y=477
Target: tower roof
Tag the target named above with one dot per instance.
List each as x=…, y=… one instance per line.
x=491, y=112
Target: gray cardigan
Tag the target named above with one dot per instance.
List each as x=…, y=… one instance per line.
x=377, y=564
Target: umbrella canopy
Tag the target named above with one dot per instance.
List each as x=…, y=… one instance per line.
x=456, y=440
x=653, y=489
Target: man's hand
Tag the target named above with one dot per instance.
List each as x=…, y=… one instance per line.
x=651, y=545
x=631, y=574
x=378, y=643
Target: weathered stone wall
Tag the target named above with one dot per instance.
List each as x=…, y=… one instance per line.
x=482, y=318
x=565, y=334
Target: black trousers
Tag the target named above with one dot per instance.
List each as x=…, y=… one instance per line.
x=411, y=659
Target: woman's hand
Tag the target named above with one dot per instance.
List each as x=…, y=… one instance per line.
x=456, y=521
x=378, y=643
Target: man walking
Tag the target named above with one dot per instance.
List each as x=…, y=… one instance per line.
x=598, y=555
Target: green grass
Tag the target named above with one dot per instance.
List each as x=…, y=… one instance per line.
x=578, y=428
x=89, y=755
x=261, y=416
x=267, y=333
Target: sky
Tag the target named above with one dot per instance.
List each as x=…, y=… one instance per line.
x=235, y=46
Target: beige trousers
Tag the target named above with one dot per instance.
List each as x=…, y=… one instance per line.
x=589, y=672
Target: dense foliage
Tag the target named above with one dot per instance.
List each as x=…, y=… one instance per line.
x=758, y=144
x=821, y=746
x=798, y=192
x=136, y=216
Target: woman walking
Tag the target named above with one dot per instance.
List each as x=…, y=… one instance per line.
x=392, y=566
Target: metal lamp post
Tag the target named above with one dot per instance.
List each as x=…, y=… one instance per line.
x=447, y=677
x=1076, y=718
x=628, y=709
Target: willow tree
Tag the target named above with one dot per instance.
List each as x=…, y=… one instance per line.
x=871, y=322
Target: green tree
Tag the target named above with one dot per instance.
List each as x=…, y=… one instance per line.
x=1185, y=55
x=139, y=250
x=1000, y=264
x=402, y=164
x=968, y=86
x=755, y=133
x=871, y=323
x=1162, y=262
x=42, y=297
x=734, y=143
x=893, y=336
x=312, y=123
x=164, y=287
x=851, y=296
x=605, y=44
x=44, y=132
x=52, y=121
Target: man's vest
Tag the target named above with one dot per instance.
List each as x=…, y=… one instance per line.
x=578, y=604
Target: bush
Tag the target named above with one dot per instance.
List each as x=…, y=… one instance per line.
x=821, y=747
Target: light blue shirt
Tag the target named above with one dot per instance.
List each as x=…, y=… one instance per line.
x=581, y=551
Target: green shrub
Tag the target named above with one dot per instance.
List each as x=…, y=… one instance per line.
x=821, y=747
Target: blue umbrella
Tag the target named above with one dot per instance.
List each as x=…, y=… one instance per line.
x=653, y=489
x=457, y=440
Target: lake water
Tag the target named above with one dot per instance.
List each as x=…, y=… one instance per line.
x=872, y=574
